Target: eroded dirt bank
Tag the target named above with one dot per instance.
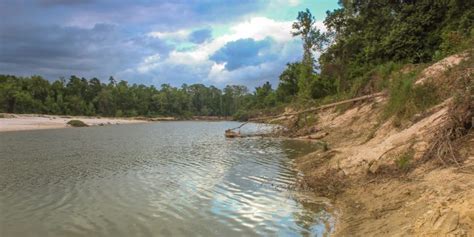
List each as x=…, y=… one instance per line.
x=390, y=179
x=377, y=194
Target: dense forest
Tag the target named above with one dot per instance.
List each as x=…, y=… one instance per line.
x=370, y=37
x=79, y=96
x=364, y=42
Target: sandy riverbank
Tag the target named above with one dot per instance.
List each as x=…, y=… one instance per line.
x=20, y=122
x=377, y=195
x=410, y=179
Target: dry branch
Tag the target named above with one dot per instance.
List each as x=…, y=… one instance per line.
x=282, y=116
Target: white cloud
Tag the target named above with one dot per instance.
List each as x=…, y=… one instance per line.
x=257, y=28
x=187, y=57
x=176, y=35
x=253, y=76
x=294, y=3
x=149, y=63
x=216, y=71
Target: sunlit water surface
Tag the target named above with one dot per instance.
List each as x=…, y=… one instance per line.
x=157, y=179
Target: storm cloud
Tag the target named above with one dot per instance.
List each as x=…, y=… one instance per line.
x=243, y=52
x=200, y=36
x=151, y=42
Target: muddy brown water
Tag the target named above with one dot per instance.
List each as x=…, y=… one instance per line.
x=157, y=179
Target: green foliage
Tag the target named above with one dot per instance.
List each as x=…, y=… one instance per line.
x=265, y=96
x=324, y=145
x=306, y=120
x=381, y=74
x=242, y=115
x=79, y=96
x=77, y=123
x=404, y=161
x=288, y=87
x=367, y=41
x=406, y=100
x=454, y=42
x=313, y=39
x=368, y=34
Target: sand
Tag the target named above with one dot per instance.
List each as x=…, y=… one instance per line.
x=362, y=172
x=432, y=200
x=20, y=122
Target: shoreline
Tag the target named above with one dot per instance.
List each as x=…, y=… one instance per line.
x=27, y=122
x=376, y=195
x=389, y=177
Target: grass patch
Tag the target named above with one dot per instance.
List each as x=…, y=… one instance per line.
x=77, y=123
x=305, y=120
x=324, y=146
x=407, y=99
x=404, y=162
x=454, y=42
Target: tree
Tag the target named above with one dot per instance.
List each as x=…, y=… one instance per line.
x=105, y=103
x=288, y=87
x=9, y=87
x=312, y=39
x=265, y=96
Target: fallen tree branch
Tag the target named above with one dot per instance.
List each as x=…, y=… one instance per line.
x=239, y=126
x=365, y=97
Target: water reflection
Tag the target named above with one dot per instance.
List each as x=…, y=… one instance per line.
x=172, y=179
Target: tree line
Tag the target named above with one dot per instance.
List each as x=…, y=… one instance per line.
x=80, y=96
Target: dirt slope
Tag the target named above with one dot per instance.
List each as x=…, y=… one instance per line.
x=379, y=175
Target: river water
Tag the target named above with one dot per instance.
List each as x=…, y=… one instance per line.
x=156, y=179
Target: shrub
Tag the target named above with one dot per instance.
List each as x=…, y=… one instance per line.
x=406, y=100
x=306, y=120
x=77, y=123
x=119, y=113
x=404, y=161
x=454, y=42
x=241, y=115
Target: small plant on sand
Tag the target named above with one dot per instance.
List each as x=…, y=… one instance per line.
x=77, y=123
x=404, y=161
x=324, y=145
x=305, y=120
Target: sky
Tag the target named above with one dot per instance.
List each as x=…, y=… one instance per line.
x=153, y=42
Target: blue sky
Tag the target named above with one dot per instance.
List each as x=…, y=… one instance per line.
x=214, y=42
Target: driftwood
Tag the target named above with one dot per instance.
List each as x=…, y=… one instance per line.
x=238, y=126
x=281, y=116
x=317, y=136
x=230, y=133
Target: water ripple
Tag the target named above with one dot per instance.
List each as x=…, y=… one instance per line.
x=179, y=178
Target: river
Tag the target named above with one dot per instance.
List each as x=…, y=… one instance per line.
x=155, y=179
